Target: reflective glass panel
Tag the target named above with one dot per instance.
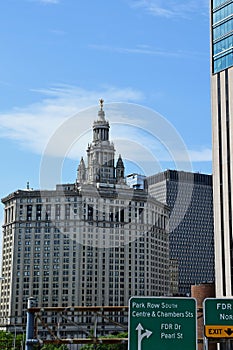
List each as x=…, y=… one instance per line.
x=222, y=13
x=218, y=2
x=222, y=35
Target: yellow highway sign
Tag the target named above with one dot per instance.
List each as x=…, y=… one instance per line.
x=219, y=331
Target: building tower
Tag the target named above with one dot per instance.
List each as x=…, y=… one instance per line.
x=101, y=152
x=191, y=228
x=222, y=117
x=81, y=178
x=93, y=242
x=120, y=169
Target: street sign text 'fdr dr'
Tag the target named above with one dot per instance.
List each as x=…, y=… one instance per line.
x=162, y=323
x=218, y=318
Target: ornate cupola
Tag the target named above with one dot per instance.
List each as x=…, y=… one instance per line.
x=100, y=167
x=101, y=152
x=101, y=126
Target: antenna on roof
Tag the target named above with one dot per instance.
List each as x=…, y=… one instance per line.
x=27, y=185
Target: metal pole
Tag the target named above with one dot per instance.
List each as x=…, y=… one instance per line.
x=206, y=346
x=22, y=342
x=95, y=328
x=14, y=338
x=229, y=344
x=30, y=325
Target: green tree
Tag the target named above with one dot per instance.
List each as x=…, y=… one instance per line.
x=108, y=346
x=8, y=341
x=54, y=347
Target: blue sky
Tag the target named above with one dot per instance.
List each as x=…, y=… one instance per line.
x=58, y=57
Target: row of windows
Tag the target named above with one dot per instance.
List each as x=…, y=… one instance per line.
x=74, y=199
x=222, y=29
x=47, y=200
x=106, y=200
x=217, y=3
x=222, y=13
x=224, y=61
x=46, y=248
x=45, y=273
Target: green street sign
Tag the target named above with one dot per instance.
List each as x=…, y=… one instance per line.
x=218, y=318
x=162, y=323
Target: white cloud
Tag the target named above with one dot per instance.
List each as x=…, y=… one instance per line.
x=49, y=1
x=129, y=140
x=147, y=50
x=58, y=32
x=173, y=8
x=45, y=2
x=203, y=155
x=33, y=125
x=60, y=126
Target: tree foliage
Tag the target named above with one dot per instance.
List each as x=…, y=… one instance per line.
x=54, y=347
x=10, y=341
x=108, y=346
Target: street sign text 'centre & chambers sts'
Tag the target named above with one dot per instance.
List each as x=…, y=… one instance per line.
x=162, y=323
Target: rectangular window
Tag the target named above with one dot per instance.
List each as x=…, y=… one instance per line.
x=222, y=29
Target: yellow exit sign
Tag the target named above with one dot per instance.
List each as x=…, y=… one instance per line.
x=219, y=331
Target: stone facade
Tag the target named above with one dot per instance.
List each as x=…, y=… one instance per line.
x=92, y=242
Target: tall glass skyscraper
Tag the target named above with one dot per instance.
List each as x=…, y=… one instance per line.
x=222, y=117
x=222, y=34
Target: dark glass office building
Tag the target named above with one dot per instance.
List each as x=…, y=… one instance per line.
x=191, y=233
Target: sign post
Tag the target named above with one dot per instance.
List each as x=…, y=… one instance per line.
x=162, y=323
x=218, y=318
